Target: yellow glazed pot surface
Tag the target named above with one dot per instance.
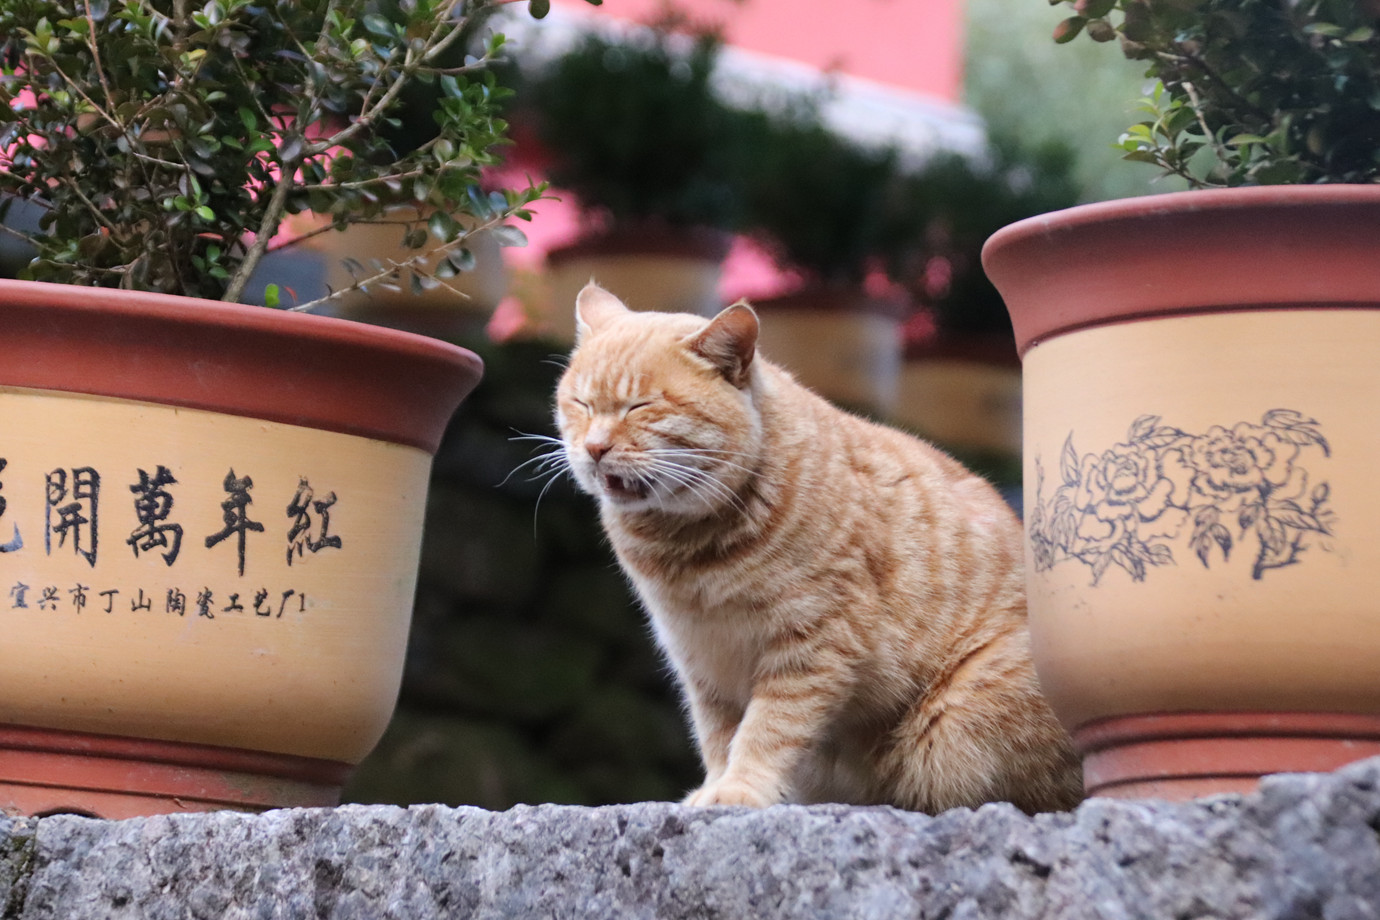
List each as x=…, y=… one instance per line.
x=177, y=574
x=1200, y=520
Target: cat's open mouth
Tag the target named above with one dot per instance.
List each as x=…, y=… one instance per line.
x=623, y=487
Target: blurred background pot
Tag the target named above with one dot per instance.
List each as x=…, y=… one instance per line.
x=446, y=303
x=840, y=342
x=964, y=393
x=631, y=129
x=649, y=264
x=1199, y=489
x=211, y=523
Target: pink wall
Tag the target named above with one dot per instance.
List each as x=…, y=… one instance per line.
x=914, y=44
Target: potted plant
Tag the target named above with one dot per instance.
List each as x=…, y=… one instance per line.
x=961, y=382
x=1198, y=459
x=819, y=203
x=211, y=512
x=632, y=128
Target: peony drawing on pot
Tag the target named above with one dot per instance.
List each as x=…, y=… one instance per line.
x=1165, y=494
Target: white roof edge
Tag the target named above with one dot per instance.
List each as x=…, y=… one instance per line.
x=867, y=111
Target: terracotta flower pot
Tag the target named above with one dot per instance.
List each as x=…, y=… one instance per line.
x=209, y=530
x=1200, y=446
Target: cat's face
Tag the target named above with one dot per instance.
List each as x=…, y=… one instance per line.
x=655, y=410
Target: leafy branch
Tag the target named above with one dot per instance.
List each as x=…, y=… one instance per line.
x=1248, y=93
x=168, y=141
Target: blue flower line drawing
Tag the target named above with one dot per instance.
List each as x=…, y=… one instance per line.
x=1239, y=489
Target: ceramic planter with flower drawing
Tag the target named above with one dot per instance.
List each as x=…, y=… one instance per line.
x=210, y=521
x=1200, y=447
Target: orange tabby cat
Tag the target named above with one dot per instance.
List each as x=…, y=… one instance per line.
x=842, y=603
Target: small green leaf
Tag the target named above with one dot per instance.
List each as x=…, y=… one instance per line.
x=1068, y=30
x=1096, y=9
x=1100, y=30
x=509, y=236
x=1324, y=28
x=205, y=213
x=378, y=25
x=271, y=296
x=443, y=226
x=462, y=261
x=292, y=149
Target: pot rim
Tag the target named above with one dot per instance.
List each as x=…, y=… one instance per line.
x=647, y=238
x=842, y=300
x=298, y=369
x=1188, y=252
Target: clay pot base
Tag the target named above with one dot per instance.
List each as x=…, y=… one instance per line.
x=1181, y=756
x=45, y=772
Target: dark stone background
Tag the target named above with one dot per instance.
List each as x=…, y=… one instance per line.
x=531, y=674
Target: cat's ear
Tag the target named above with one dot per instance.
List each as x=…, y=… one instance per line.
x=594, y=308
x=729, y=342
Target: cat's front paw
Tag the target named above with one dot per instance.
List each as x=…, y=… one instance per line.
x=730, y=791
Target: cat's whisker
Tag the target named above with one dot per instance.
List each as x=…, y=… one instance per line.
x=539, y=438
x=703, y=450
x=699, y=483
x=712, y=452
x=550, y=464
x=555, y=450
x=536, y=509
x=715, y=455
x=681, y=486
x=544, y=462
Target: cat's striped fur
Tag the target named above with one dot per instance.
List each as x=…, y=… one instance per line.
x=842, y=603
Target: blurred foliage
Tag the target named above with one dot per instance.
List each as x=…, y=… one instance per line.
x=168, y=140
x=816, y=200
x=633, y=127
x=944, y=213
x=1267, y=92
x=839, y=212
x=1024, y=85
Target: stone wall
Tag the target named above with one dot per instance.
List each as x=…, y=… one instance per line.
x=1305, y=846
